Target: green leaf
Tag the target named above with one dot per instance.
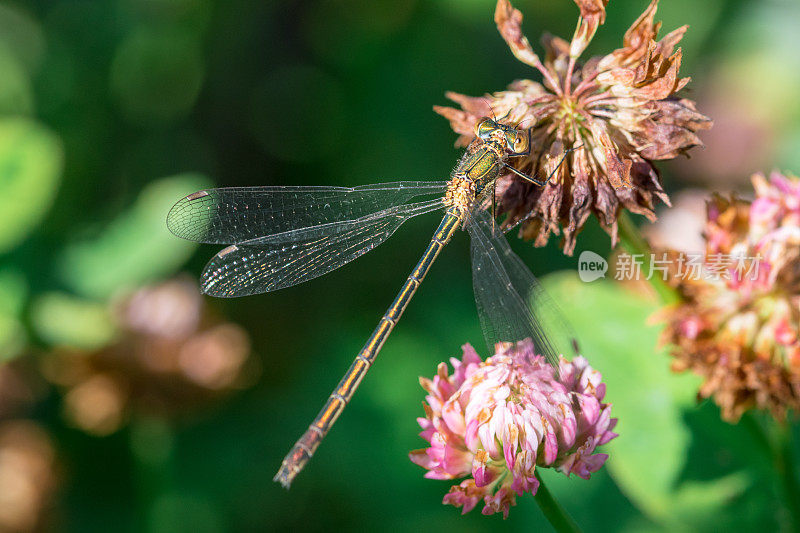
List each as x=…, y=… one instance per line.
x=30, y=169
x=133, y=249
x=647, y=458
x=699, y=501
x=63, y=320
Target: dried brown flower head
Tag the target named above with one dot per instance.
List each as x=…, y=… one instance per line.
x=172, y=354
x=738, y=322
x=620, y=110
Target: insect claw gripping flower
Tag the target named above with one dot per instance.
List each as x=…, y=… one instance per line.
x=498, y=420
x=617, y=113
x=739, y=330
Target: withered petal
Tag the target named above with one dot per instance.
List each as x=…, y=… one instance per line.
x=530, y=88
x=619, y=75
x=667, y=45
x=666, y=83
x=646, y=176
x=636, y=41
x=509, y=22
x=643, y=30
x=667, y=141
x=618, y=171
x=555, y=47
x=460, y=121
x=593, y=9
x=593, y=14
x=584, y=34
x=476, y=105
x=638, y=201
x=679, y=112
x=579, y=211
x=607, y=203
x=550, y=198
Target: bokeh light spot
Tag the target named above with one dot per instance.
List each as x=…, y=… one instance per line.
x=30, y=170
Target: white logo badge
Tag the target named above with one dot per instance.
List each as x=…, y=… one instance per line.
x=591, y=266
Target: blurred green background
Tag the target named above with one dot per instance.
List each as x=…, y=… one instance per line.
x=112, y=110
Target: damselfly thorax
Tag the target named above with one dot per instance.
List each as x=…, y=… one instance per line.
x=283, y=236
x=486, y=157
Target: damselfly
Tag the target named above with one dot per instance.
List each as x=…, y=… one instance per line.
x=282, y=236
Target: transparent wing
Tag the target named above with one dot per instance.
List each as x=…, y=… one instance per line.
x=237, y=214
x=549, y=315
x=286, y=259
x=512, y=305
x=547, y=312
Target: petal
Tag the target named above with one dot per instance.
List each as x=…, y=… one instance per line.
x=550, y=446
x=590, y=410
x=636, y=40
x=618, y=171
x=465, y=495
x=509, y=22
x=471, y=435
x=510, y=444
x=666, y=83
x=483, y=475
x=453, y=417
x=593, y=9
x=420, y=457
x=487, y=437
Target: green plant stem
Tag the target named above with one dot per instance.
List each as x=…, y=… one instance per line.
x=553, y=511
x=783, y=459
x=632, y=240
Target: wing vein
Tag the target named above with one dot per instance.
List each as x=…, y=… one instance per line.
x=261, y=265
x=503, y=289
x=237, y=214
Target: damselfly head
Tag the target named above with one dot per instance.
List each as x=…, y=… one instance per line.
x=516, y=142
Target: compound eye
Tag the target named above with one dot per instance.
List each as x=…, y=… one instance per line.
x=485, y=128
x=516, y=142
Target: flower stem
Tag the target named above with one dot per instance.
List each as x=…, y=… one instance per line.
x=586, y=84
x=548, y=76
x=597, y=98
x=782, y=457
x=552, y=510
x=568, y=76
x=632, y=240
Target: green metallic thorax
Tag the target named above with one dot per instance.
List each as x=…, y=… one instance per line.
x=481, y=165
